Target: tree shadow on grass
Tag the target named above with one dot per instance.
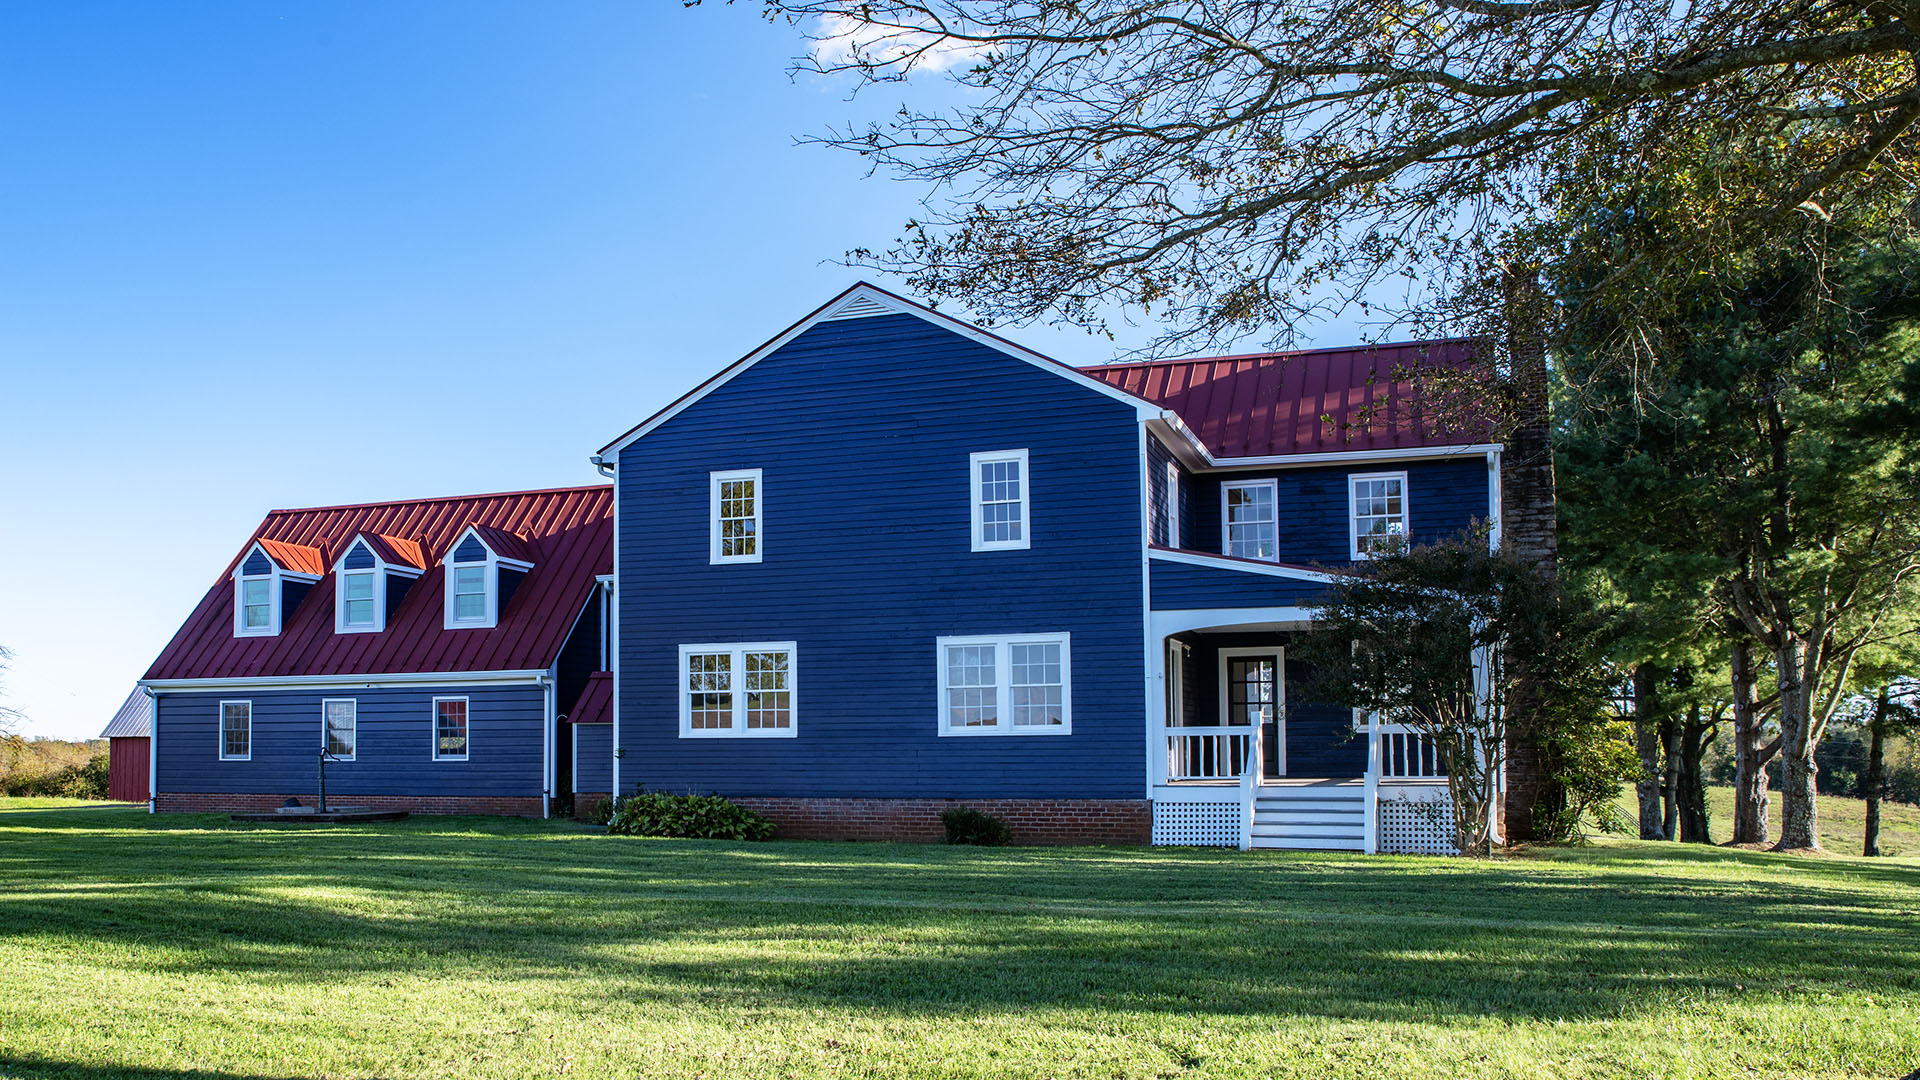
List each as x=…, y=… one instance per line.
x=31, y=1067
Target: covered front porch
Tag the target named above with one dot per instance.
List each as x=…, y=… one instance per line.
x=1240, y=756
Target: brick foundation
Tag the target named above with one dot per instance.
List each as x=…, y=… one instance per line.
x=583, y=803
x=1029, y=821
x=224, y=803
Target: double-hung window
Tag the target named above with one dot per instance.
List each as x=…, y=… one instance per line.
x=1017, y=685
x=744, y=691
x=734, y=516
x=1379, y=512
x=236, y=731
x=1000, y=506
x=449, y=729
x=256, y=602
x=357, y=612
x=339, y=720
x=1249, y=514
x=470, y=593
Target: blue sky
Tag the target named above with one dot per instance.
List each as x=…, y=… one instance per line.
x=263, y=254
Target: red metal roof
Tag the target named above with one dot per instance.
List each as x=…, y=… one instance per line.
x=1312, y=401
x=596, y=701
x=505, y=544
x=295, y=557
x=568, y=531
x=396, y=551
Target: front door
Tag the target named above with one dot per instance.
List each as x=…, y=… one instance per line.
x=1253, y=693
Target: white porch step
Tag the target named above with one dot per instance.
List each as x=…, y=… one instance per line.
x=1309, y=819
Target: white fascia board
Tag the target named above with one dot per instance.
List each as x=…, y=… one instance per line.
x=897, y=305
x=1243, y=566
x=1179, y=620
x=1353, y=457
x=365, y=682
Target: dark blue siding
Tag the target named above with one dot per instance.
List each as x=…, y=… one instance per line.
x=509, y=583
x=1157, y=458
x=358, y=558
x=593, y=757
x=397, y=586
x=291, y=593
x=1444, y=498
x=257, y=563
x=863, y=428
x=1181, y=585
x=470, y=551
x=394, y=752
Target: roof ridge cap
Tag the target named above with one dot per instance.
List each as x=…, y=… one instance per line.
x=438, y=498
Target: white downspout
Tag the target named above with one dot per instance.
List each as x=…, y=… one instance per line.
x=153, y=750
x=549, y=689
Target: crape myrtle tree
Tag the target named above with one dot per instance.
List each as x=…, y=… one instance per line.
x=1771, y=456
x=1428, y=638
x=1234, y=168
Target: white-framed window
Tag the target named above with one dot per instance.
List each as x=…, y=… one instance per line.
x=477, y=579
x=339, y=727
x=236, y=731
x=1011, y=685
x=1001, y=510
x=450, y=729
x=742, y=690
x=734, y=502
x=470, y=593
x=1250, y=519
x=256, y=605
x=356, y=600
x=1378, y=511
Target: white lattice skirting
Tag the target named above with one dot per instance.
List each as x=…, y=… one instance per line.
x=1197, y=824
x=1416, y=828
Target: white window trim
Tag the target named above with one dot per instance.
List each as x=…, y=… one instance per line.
x=1353, y=510
x=974, y=461
x=435, y=724
x=381, y=570
x=1278, y=654
x=714, y=480
x=220, y=734
x=276, y=580
x=1226, y=535
x=1003, y=685
x=1170, y=508
x=355, y=702
x=489, y=578
x=739, y=730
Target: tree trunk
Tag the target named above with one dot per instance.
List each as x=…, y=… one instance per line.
x=1799, y=811
x=1529, y=528
x=1646, y=740
x=1670, y=783
x=1876, y=782
x=1750, y=755
x=1695, y=737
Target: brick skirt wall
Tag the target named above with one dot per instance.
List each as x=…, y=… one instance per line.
x=204, y=803
x=1030, y=821
x=584, y=802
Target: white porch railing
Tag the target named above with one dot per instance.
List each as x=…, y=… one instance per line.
x=1207, y=753
x=1407, y=755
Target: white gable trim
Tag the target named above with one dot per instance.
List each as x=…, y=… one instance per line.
x=1243, y=566
x=859, y=298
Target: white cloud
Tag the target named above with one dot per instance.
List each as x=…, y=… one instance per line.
x=844, y=41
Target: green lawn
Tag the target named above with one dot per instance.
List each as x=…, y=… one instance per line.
x=1842, y=821
x=188, y=948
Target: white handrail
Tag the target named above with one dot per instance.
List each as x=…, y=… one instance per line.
x=1250, y=785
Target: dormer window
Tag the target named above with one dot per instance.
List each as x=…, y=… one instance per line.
x=269, y=583
x=484, y=568
x=372, y=577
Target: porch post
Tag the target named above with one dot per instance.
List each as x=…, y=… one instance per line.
x=1250, y=771
x=1370, y=818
